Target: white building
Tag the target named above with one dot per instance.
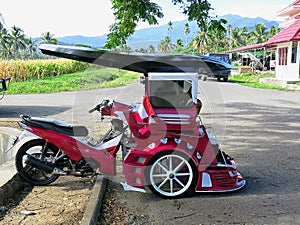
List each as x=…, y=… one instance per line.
x=287, y=43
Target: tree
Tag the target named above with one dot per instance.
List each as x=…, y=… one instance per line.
x=151, y=49
x=211, y=36
x=259, y=34
x=129, y=13
x=179, y=43
x=31, y=48
x=48, y=38
x=165, y=46
x=5, y=38
x=17, y=41
x=186, y=31
x=273, y=31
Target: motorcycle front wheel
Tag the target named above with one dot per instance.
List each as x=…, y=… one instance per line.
x=36, y=149
x=171, y=174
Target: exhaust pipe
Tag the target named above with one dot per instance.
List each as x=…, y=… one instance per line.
x=43, y=166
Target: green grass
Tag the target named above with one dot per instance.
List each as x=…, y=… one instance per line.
x=252, y=80
x=89, y=79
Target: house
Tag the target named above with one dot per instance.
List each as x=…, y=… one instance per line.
x=287, y=43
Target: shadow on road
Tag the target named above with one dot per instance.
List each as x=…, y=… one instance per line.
x=37, y=111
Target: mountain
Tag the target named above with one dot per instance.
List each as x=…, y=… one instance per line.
x=144, y=37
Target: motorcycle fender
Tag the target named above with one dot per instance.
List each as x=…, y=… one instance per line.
x=25, y=135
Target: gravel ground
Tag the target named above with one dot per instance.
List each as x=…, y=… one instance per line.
x=63, y=202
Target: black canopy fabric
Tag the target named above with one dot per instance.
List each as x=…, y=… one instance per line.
x=143, y=63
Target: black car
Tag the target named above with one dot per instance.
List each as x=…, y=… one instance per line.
x=221, y=73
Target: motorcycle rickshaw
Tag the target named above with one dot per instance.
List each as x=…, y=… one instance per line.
x=168, y=147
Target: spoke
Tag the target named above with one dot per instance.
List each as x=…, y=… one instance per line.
x=178, y=167
x=162, y=183
x=179, y=182
x=159, y=175
x=28, y=168
x=182, y=174
x=170, y=164
x=171, y=185
x=162, y=167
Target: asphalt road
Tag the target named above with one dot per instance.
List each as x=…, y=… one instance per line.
x=260, y=129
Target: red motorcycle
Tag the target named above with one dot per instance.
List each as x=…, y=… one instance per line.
x=163, y=142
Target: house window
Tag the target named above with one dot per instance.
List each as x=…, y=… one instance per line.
x=294, y=52
x=282, y=56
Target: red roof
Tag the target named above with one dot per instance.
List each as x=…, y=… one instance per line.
x=291, y=8
x=291, y=33
x=255, y=46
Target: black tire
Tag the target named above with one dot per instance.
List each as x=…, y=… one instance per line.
x=32, y=174
x=225, y=79
x=171, y=178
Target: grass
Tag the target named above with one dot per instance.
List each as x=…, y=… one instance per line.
x=252, y=80
x=89, y=79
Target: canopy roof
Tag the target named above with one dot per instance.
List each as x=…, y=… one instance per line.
x=143, y=63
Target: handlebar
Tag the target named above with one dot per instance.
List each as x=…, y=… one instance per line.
x=99, y=106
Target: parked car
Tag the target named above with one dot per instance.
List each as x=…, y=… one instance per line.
x=221, y=74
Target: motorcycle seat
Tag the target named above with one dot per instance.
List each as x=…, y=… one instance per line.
x=56, y=125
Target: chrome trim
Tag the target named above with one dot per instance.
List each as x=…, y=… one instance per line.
x=206, y=181
x=128, y=187
x=242, y=183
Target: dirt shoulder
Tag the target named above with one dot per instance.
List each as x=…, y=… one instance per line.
x=63, y=202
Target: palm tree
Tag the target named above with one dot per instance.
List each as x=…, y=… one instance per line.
x=239, y=37
x=186, y=31
x=151, y=49
x=31, y=48
x=170, y=28
x=165, y=46
x=273, y=31
x=229, y=29
x=5, y=50
x=18, y=41
x=259, y=34
x=179, y=43
x=47, y=38
x=199, y=42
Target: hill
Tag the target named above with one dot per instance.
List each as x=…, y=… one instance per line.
x=144, y=37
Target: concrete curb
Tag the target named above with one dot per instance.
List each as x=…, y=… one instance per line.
x=90, y=216
x=9, y=189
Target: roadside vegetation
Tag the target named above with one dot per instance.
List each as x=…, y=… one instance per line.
x=252, y=80
x=24, y=70
x=84, y=80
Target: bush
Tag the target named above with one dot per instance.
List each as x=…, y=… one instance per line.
x=22, y=70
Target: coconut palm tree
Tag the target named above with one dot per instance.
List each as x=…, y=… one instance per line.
x=165, y=46
x=18, y=42
x=186, y=31
x=47, y=38
x=31, y=48
x=259, y=34
x=5, y=50
x=151, y=49
x=273, y=31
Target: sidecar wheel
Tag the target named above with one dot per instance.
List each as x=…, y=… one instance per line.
x=32, y=174
x=171, y=174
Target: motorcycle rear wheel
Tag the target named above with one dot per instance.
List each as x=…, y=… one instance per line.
x=30, y=174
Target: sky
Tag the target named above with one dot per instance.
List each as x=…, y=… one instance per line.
x=93, y=17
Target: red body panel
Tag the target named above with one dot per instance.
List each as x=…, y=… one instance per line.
x=76, y=150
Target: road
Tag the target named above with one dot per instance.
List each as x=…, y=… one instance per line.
x=259, y=128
